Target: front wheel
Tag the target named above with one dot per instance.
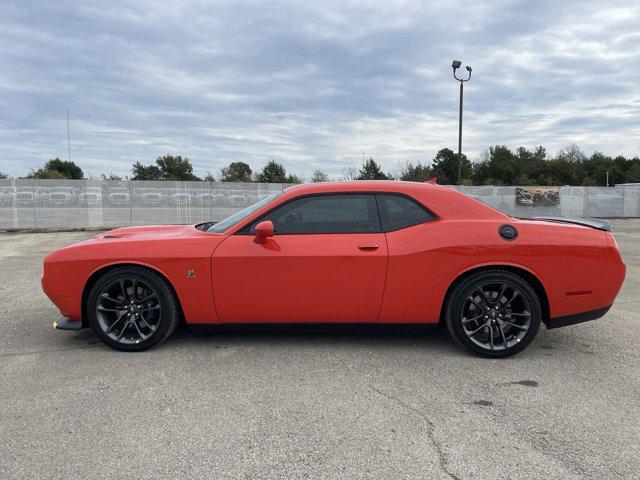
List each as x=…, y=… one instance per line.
x=494, y=313
x=132, y=309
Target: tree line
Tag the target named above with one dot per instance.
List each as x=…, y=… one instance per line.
x=498, y=165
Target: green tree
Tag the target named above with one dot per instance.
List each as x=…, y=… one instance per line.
x=319, y=176
x=236, y=172
x=145, y=172
x=58, y=169
x=111, y=176
x=176, y=168
x=415, y=173
x=3, y=176
x=42, y=174
x=370, y=170
x=595, y=170
x=445, y=166
x=633, y=174
x=272, y=172
x=293, y=178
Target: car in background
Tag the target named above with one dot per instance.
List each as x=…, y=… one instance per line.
x=7, y=194
x=118, y=197
x=59, y=197
x=235, y=200
x=26, y=196
x=150, y=197
x=180, y=199
x=89, y=196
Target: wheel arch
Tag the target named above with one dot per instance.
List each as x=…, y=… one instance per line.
x=100, y=271
x=526, y=274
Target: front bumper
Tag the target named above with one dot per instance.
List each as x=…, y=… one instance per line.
x=63, y=323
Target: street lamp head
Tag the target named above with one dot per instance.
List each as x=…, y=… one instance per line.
x=456, y=64
x=468, y=69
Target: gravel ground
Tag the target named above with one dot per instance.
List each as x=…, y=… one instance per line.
x=313, y=403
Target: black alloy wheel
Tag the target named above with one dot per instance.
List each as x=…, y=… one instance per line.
x=132, y=309
x=494, y=313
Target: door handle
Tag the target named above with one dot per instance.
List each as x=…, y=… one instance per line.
x=368, y=246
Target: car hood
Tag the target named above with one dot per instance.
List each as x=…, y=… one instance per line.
x=149, y=232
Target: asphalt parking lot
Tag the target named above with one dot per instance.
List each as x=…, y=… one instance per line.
x=358, y=403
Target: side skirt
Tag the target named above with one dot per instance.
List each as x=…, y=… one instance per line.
x=306, y=327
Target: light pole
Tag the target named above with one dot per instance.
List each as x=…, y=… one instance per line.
x=456, y=65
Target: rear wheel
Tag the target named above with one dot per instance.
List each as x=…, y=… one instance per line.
x=132, y=309
x=494, y=313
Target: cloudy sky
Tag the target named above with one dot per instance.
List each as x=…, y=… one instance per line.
x=313, y=84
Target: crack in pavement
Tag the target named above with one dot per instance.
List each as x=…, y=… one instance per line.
x=442, y=455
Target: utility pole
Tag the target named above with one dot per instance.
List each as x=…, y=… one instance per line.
x=68, y=137
x=456, y=65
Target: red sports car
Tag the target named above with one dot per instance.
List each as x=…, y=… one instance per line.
x=358, y=252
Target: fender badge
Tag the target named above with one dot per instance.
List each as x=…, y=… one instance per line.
x=191, y=274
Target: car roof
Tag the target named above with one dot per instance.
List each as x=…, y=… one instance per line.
x=358, y=186
x=443, y=201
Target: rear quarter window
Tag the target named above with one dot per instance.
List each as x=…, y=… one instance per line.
x=399, y=211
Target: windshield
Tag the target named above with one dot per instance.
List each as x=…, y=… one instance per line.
x=231, y=220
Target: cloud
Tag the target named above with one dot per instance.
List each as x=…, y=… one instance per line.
x=311, y=84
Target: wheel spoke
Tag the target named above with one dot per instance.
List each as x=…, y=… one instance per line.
x=114, y=323
x=124, y=289
x=484, y=295
x=515, y=314
x=473, y=300
x=123, y=329
x=516, y=325
x=491, y=338
x=502, y=290
x=504, y=338
x=148, y=297
x=515, y=295
x=142, y=336
x=473, y=332
x=134, y=293
x=155, y=307
x=103, y=309
x=107, y=297
x=466, y=320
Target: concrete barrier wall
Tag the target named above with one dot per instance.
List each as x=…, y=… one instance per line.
x=68, y=204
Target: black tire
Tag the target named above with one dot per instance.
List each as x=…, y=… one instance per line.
x=162, y=314
x=482, y=294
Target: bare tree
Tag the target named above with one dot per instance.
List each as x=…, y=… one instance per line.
x=572, y=154
x=350, y=173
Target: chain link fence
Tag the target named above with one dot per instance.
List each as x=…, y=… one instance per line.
x=69, y=204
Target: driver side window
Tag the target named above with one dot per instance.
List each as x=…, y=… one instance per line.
x=343, y=213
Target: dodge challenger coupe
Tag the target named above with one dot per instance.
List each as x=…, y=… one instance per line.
x=358, y=252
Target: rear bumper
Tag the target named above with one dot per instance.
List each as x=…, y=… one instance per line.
x=63, y=323
x=567, y=320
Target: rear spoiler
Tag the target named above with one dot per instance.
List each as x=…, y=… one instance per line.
x=587, y=222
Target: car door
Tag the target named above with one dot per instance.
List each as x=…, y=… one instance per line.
x=326, y=262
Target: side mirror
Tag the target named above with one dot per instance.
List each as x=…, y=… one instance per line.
x=264, y=230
